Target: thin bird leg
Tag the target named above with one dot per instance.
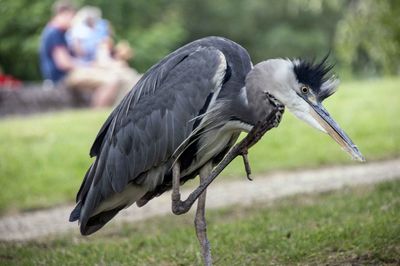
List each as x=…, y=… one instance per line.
x=176, y=195
x=247, y=165
x=271, y=121
x=200, y=219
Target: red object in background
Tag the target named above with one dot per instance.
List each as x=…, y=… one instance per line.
x=9, y=82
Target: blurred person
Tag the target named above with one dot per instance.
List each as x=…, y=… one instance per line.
x=107, y=67
x=89, y=33
x=59, y=66
x=55, y=57
x=123, y=52
x=90, y=37
x=117, y=59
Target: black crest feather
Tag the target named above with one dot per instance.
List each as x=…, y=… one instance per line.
x=314, y=75
x=311, y=73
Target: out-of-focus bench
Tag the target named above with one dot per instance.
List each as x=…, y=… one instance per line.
x=35, y=98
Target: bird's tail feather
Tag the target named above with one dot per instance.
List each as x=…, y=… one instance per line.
x=97, y=205
x=76, y=212
x=92, y=219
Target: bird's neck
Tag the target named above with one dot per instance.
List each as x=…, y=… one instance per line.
x=258, y=103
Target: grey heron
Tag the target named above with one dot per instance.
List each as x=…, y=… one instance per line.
x=182, y=120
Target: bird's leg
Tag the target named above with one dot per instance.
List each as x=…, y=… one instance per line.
x=246, y=164
x=176, y=195
x=272, y=120
x=279, y=109
x=200, y=219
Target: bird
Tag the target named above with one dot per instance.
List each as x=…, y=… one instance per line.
x=184, y=116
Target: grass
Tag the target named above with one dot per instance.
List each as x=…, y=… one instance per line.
x=358, y=226
x=43, y=158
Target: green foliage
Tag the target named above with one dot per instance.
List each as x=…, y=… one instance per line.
x=155, y=28
x=356, y=226
x=363, y=35
x=368, y=38
x=156, y=42
x=20, y=25
x=44, y=157
x=290, y=28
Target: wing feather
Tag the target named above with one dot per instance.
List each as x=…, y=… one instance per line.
x=150, y=123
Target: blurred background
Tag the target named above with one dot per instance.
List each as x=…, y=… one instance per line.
x=362, y=36
x=46, y=131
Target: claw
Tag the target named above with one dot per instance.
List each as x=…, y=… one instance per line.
x=246, y=165
x=280, y=109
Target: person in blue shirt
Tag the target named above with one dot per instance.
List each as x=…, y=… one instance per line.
x=55, y=58
x=60, y=66
x=88, y=33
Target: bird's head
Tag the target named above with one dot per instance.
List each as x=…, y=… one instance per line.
x=302, y=86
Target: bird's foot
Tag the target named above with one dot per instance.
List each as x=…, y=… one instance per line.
x=246, y=164
x=180, y=207
x=279, y=109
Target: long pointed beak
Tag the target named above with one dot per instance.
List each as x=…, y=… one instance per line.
x=321, y=115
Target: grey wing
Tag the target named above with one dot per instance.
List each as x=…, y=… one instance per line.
x=142, y=133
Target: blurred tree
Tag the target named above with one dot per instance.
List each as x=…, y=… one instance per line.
x=152, y=27
x=368, y=37
x=286, y=28
x=289, y=28
x=21, y=22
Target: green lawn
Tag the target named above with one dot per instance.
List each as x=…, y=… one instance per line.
x=358, y=226
x=43, y=158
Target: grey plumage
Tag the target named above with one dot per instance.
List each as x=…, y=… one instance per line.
x=136, y=144
x=190, y=108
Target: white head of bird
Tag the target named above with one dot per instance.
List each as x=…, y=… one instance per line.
x=302, y=86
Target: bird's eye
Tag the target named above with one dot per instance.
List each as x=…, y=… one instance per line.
x=304, y=89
